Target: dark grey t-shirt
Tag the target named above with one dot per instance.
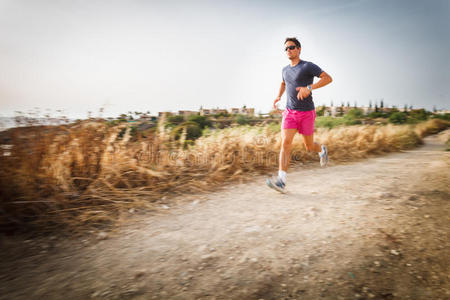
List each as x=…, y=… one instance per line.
x=301, y=74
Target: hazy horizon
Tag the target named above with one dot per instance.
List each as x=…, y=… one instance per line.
x=79, y=56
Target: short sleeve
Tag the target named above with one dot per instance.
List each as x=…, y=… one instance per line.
x=314, y=69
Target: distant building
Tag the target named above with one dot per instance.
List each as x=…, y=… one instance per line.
x=213, y=111
x=243, y=111
x=233, y=111
x=205, y=112
x=367, y=110
x=247, y=111
x=218, y=111
x=330, y=111
x=187, y=113
x=145, y=118
x=334, y=111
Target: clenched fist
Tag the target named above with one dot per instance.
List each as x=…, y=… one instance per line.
x=303, y=92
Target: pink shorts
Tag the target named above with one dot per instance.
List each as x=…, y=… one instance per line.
x=301, y=120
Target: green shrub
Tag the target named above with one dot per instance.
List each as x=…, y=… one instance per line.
x=201, y=121
x=115, y=122
x=355, y=113
x=193, y=131
x=274, y=126
x=175, y=120
x=133, y=131
x=411, y=120
x=352, y=121
x=221, y=114
x=329, y=122
x=242, y=119
x=445, y=117
x=398, y=118
x=375, y=114
x=419, y=114
x=321, y=111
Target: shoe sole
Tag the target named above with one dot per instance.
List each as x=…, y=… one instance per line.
x=326, y=159
x=272, y=186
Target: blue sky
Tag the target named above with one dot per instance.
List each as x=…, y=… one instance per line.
x=132, y=55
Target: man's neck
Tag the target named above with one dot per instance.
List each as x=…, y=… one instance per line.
x=295, y=61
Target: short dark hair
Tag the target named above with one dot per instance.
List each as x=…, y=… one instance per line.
x=293, y=39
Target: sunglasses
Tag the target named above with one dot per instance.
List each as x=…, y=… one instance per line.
x=290, y=48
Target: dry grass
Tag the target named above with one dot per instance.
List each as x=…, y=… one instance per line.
x=90, y=174
x=431, y=127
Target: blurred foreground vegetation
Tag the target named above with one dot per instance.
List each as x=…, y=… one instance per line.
x=94, y=172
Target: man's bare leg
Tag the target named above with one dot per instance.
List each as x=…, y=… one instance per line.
x=287, y=136
x=310, y=145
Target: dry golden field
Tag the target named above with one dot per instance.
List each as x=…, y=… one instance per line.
x=89, y=173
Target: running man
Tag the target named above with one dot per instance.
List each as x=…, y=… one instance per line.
x=300, y=114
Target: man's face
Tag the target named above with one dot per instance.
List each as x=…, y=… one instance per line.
x=294, y=53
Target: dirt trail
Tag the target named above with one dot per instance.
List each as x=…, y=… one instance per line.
x=374, y=229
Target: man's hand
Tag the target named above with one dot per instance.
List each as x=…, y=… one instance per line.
x=303, y=92
x=275, y=103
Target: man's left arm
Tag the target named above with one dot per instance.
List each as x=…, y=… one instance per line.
x=304, y=92
x=324, y=80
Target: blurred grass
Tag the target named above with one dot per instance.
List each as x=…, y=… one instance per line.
x=92, y=173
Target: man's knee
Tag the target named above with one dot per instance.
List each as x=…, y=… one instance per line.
x=286, y=144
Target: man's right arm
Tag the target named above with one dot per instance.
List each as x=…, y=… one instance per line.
x=280, y=93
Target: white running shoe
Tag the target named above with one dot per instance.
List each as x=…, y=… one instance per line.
x=324, y=156
x=276, y=184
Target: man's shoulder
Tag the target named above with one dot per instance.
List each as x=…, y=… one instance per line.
x=312, y=68
x=307, y=62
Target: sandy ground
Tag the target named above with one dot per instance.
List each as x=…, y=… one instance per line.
x=373, y=229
